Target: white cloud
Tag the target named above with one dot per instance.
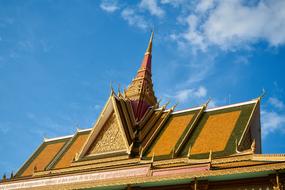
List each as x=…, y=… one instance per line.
x=201, y=92
x=109, y=6
x=174, y=3
x=204, y=5
x=272, y=122
x=134, y=19
x=186, y=94
x=276, y=103
x=152, y=7
x=233, y=23
x=194, y=36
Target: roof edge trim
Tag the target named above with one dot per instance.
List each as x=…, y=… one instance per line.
x=232, y=105
x=186, y=110
x=58, y=138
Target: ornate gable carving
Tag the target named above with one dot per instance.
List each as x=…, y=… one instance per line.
x=109, y=139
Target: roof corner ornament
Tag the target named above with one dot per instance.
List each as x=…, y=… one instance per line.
x=205, y=105
x=263, y=93
x=12, y=175
x=157, y=104
x=112, y=89
x=124, y=93
x=45, y=139
x=173, y=107
x=76, y=157
x=189, y=151
x=173, y=153
x=236, y=143
x=253, y=146
x=141, y=154
x=4, y=178
x=210, y=156
x=119, y=89
x=130, y=148
x=152, y=158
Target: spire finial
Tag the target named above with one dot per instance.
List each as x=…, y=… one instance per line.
x=149, y=47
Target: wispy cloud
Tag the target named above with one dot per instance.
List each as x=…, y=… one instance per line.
x=152, y=7
x=174, y=3
x=204, y=5
x=276, y=103
x=134, y=19
x=273, y=116
x=189, y=93
x=271, y=122
x=109, y=6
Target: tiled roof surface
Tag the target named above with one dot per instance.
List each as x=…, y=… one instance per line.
x=171, y=133
x=218, y=131
x=165, y=134
x=73, y=148
x=42, y=157
x=215, y=133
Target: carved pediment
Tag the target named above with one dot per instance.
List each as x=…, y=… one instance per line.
x=109, y=139
x=108, y=136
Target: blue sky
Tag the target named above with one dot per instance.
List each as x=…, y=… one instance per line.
x=58, y=59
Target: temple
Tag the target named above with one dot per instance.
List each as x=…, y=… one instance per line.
x=138, y=144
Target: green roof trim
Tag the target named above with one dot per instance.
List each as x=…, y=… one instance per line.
x=66, y=147
x=190, y=112
x=240, y=126
x=37, y=152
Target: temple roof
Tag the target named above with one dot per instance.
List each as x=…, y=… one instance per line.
x=134, y=134
x=162, y=134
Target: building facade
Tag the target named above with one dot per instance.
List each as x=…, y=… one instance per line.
x=137, y=143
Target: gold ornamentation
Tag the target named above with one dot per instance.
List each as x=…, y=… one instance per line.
x=109, y=139
x=277, y=185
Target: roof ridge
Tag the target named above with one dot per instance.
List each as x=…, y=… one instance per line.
x=231, y=105
x=66, y=136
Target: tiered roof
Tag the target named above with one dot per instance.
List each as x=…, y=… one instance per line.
x=137, y=141
x=140, y=91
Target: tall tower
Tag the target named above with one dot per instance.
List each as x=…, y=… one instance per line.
x=140, y=91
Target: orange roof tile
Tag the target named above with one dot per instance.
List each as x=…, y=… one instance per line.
x=44, y=157
x=170, y=135
x=215, y=133
x=70, y=153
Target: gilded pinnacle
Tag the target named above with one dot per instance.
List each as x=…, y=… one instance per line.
x=149, y=48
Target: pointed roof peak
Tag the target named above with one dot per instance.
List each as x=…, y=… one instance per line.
x=149, y=47
x=140, y=91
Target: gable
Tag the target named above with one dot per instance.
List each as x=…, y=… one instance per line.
x=108, y=136
x=42, y=157
x=215, y=133
x=218, y=131
x=109, y=139
x=172, y=133
x=71, y=150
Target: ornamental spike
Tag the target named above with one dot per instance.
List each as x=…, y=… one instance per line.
x=149, y=47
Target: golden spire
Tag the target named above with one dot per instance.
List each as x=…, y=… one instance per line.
x=140, y=91
x=149, y=47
